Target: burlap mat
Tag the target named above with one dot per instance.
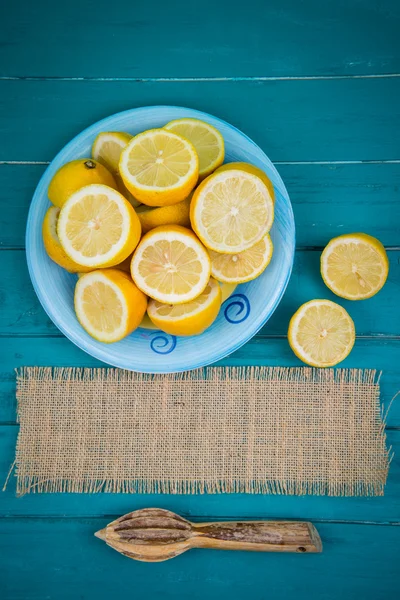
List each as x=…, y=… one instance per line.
x=253, y=429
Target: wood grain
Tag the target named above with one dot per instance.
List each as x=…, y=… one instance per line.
x=358, y=561
x=327, y=199
x=376, y=316
x=316, y=120
x=136, y=40
x=155, y=535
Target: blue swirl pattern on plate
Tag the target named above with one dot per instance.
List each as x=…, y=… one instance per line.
x=55, y=287
x=237, y=308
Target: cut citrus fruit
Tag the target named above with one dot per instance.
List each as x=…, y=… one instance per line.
x=97, y=227
x=190, y=318
x=108, y=304
x=171, y=265
x=231, y=211
x=207, y=140
x=76, y=174
x=243, y=166
x=354, y=266
x=52, y=243
x=321, y=333
x=243, y=266
x=176, y=214
x=106, y=149
x=159, y=167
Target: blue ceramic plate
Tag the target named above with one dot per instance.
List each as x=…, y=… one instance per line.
x=241, y=316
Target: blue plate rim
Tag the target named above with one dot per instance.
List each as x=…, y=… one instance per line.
x=99, y=353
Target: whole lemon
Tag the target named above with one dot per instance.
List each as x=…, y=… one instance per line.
x=76, y=174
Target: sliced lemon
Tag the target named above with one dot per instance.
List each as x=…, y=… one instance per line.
x=97, y=227
x=354, y=266
x=176, y=214
x=106, y=149
x=108, y=304
x=76, y=174
x=171, y=265
x=321, y=333
x=231, y=211
x=52, y=243
x=250, y=169
x=159, y=167
x=190, y=318
x=243, y=266
x=207, y=140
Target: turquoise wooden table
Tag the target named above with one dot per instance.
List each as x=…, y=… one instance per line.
x=316, y=85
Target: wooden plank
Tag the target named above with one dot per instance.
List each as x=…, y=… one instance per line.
x=382, y=354
x=179, y=40
x=327, y=200
x=357, y=561
x=345, y=119
x=377, y=316
x=255, y=506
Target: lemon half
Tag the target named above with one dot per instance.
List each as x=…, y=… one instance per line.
x=243, y=266
x=97, y=227
x=190, y=318
x=108, y=304
x=159, y=167
x=171, y=265
x=231, y=211
x=207, y=140
x=354, y=266
x=321, y=333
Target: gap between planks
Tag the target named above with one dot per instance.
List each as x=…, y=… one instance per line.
x=254, y=78
x=394, y=161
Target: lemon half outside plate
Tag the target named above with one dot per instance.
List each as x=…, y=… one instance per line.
x=354, y=266
x=321, y=333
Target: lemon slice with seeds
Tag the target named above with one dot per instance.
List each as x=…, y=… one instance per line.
x=249, y=168
x=190, y=318
x=108, y=304
x=354, y=266
x=244, y=266
x=171, y=265
x=97, y=227
x=321, y=333
x=231, y=211
x=159, y=167
x=207, y=140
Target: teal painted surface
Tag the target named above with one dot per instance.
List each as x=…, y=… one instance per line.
x=332, y=118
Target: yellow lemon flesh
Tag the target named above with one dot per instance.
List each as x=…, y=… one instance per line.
x=243, y=266
x=354, y=266
x=227, y=290
x=107, y=149
x=190, y=318
x=97, y=227
x=171, y=265
x=321, y=333
x=231, y=211
x=250, y=169
x=207, y=140
x=108, y=304
x=76, y=174
x=52, y=243
x=159, y=167
x=176, y=214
